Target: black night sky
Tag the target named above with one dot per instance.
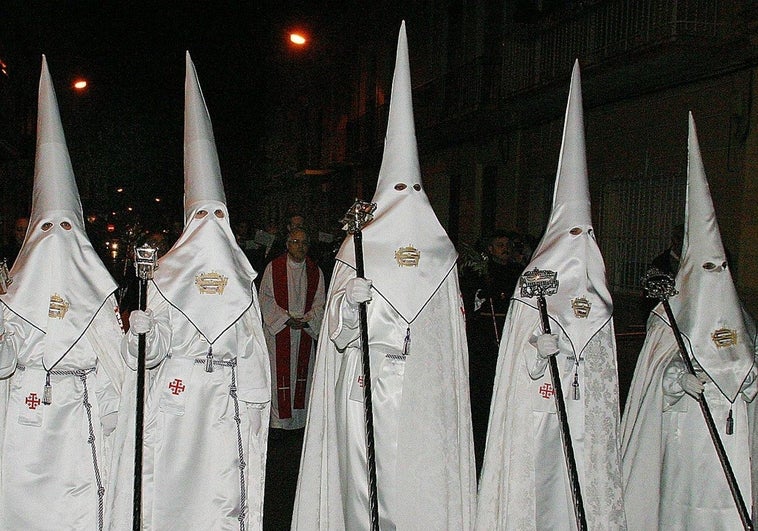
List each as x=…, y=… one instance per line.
x=126, y=128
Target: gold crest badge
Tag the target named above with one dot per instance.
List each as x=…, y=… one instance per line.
x=407, y=256
x=58, y=307
x=581, y=307
x=724, y=337
x=211, y=283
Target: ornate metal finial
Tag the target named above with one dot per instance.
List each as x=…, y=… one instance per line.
x=145, y=261
x=358, y=216
x=538, y=283
x=5, y=277
x=658, y=285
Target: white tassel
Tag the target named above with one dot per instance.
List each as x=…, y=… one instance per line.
x=575, y=385
x=407, y=342
x=47, y=394
x=209, y=359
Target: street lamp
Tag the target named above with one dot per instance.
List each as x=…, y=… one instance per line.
x=297, y=38
x=80, y=84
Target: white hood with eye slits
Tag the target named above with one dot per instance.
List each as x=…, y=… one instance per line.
x=57, y=263
x=707, y=309
x=568, y=246
x=206, y=253
x=404, y=222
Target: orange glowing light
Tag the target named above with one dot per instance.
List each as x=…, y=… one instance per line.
x=296, y=38
x=80, y=84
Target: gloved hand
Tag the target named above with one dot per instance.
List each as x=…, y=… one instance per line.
x=547, y=345
x=357, y=290
x=141, y=322
x=693, y=384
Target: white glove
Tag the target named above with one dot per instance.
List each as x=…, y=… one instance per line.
x=693, y=384
x=547, y=345
x=141, y=322
x=357, y=290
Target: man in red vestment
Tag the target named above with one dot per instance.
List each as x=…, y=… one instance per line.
x=292, y=304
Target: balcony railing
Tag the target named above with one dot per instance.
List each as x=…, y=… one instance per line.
x=537, y=55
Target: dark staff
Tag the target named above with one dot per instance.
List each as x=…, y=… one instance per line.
x=661, y=286
x=358, y=215
x=145, y=263
x=541, y=283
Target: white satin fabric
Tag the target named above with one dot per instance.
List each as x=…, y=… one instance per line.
x=404, y=217
x=422, y=420
x=524, y=483
x=672, y=476
x=48, y=476
x=274, y=319
x=207, y=245
x=708, y=300
x=191, y=462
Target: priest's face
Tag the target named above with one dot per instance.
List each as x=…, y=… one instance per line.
x=297, y=245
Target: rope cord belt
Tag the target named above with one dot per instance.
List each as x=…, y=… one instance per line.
x=82, y=375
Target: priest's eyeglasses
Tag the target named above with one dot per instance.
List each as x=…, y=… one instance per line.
x=304, y=243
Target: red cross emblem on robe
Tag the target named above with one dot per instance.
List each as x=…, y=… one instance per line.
x=176, y=386
x=546, y=390
x=283, y=369
x=32, y=401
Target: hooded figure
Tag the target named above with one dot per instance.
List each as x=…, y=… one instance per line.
x=524, y=481
x=60, y=369
x=207, y=405
x=417, y=341
x=672, y=474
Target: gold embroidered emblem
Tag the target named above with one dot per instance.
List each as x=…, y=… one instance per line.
x=58, y=307
x=407, y=256
x=211, y=283
x=581, y=307
x=723, y=337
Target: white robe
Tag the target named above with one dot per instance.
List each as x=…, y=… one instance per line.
x=524, y=481
x=274, y=321
x=191, y=453
x=422, y=420
x=49, y=475
x=672, y=476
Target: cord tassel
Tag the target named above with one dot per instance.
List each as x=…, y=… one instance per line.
x=209, y=359
x=575, y=385
x=730, y=423
x=47, y=394
x=407, y=342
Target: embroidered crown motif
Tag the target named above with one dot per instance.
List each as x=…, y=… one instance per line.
x=58, y=307
x=724, y=337
x=407, y=256
x=211, y=283
x=581, y=307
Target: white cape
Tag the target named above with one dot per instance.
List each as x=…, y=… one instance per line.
x=509, y=494
x=672, y=476
x=422, y=421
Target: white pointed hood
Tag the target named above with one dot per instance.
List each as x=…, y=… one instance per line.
x=404, y=221
x=205, y=275
x=568, y=246
x=57, y=260
x=707, y=308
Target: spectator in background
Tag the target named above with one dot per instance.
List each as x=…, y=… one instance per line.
x=668, y=260
x=10, y=251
